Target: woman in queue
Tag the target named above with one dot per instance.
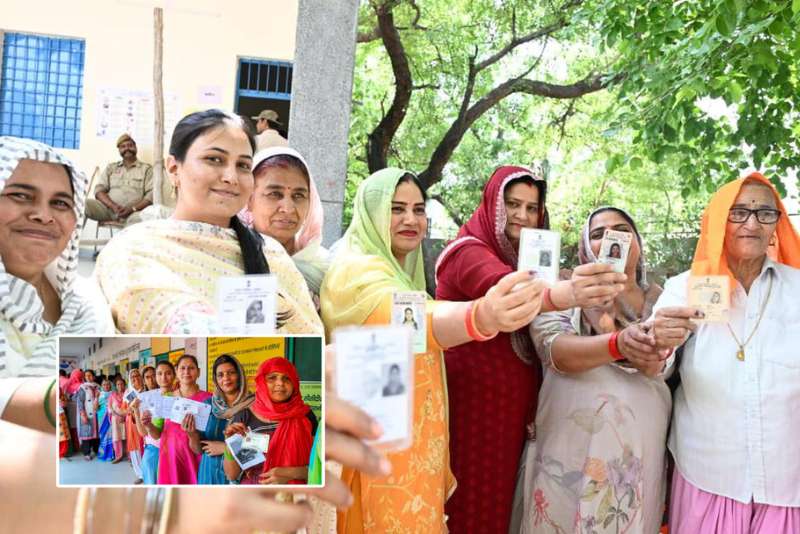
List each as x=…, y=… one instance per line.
x=161, y=276
x=486, y=250
x=734, y=433
x=603, y=408
x=230, y=397
x=381, y=253
x=286, y=206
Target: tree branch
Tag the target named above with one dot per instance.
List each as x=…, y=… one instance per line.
x=528, y=37
x=368, y=36
x=379, y=140
x=448, y=144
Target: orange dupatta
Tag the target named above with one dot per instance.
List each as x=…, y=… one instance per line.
x=709, y=256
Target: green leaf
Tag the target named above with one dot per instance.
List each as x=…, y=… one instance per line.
x=604, y=508
x=735, y=92
x=724, y=24
x=795, y=6
x=635, y=163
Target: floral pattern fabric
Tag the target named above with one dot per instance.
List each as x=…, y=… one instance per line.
x=598, y=465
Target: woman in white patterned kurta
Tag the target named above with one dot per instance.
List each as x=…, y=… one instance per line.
x=598, y=462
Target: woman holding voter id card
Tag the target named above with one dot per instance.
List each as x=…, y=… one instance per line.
x=280, y=422
x=230, y=397
x=734, y=432
x=380, y=255
x=162, y=276
x=286, y=206
x=179, y=449
x=487, y=249
x=602, y=417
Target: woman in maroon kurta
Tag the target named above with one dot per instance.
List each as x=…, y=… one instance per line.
x=492, y=386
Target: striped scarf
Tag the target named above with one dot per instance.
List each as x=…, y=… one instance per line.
x=20, y=305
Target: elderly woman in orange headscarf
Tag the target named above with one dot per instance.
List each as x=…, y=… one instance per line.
x=734, y=434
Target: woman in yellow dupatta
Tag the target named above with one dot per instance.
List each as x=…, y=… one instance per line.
x=381, y=253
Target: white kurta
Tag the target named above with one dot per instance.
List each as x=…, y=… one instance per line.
x=736, y=427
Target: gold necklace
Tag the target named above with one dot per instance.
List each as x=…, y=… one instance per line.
x=740, y=352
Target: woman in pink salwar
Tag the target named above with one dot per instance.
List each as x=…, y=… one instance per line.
x=177, y=462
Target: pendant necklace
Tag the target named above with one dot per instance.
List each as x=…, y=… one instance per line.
x=740, y=352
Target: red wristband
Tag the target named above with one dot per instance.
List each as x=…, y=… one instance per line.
x=613, y=348
x=469, y=323
x=547, y=300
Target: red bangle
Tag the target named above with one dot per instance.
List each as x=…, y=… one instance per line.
x=469, y=323
x=613, y=348
x=548, y=300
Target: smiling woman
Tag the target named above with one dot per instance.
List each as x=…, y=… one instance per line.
x=41, y=201
x=286, y=206
x=161, y=276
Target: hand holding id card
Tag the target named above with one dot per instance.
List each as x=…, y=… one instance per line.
x=201, y=411
x=408, y=309
x=614, y=249
x=711, y=295
x=246, y=455
x=375, y=371
x=540, y=251
x=246, y=304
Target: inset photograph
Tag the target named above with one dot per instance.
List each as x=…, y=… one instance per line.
x=189, y=410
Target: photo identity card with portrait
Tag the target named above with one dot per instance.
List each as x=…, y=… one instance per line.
x=199, y=410
x=614, y=249
x=256, y=440
x=151, y=402
x=711, y=295
x=245, y=456
x=375, y=371
x=246, y=304
x=408, y=309
x=130, y=396
x=540, y=251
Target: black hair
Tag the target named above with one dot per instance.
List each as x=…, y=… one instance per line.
x=186, y=132
x=167, y=363
x=226, y=358
x=408, y=177
x=187, y=356
x=393, y=367
x=541, y=186
x=62, y=372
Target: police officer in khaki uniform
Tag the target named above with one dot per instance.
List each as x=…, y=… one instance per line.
x=124, y=188
x=267, y=124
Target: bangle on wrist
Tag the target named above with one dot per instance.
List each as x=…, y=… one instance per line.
x=47, y=412
x=470, y=323
x=613, y=347
x=547, y=299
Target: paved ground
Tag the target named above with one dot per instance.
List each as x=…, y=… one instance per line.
x=76, y=470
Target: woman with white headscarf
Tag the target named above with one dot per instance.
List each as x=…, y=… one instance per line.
x=286, y=206
x=598, y=461
x=42, y=197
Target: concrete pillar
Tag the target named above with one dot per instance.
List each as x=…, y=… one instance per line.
x=322, y=87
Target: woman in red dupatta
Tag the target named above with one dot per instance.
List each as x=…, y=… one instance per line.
x=488, y=430
x=278, y=410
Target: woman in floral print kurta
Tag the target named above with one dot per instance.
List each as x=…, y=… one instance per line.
x=598, y=464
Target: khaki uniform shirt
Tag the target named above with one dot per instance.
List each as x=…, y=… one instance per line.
x=269, y=138
x=126, y=186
